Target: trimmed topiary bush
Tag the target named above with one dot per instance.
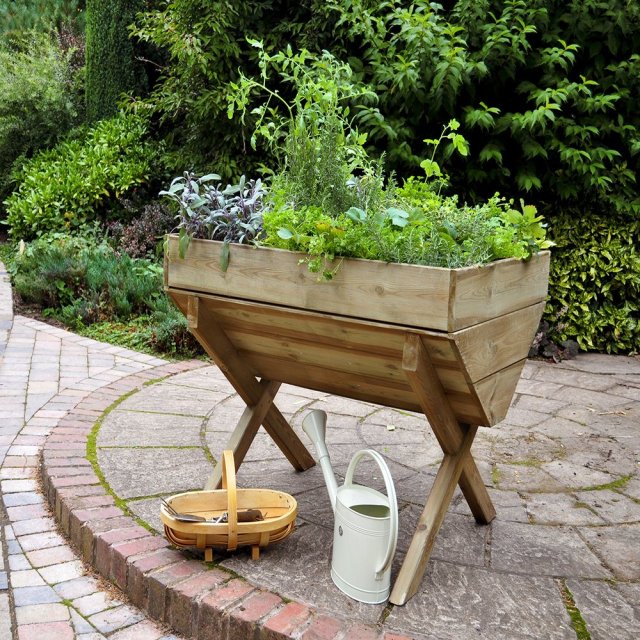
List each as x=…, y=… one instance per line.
x=111, y=66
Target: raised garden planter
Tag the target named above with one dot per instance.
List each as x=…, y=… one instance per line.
x=449, y=343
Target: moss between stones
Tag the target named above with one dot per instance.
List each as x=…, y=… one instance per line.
x=92, y=457
x=577, y=621
x=616, y=484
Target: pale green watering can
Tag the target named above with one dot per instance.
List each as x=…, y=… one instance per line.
x=365, y=532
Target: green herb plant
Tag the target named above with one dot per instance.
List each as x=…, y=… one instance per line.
x=330, y=199
x=232, y=214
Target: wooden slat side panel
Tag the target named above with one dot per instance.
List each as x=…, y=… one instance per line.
x=496, y=344
x=484, y=402
x=252, y=322
x=482, y=293
x=293, y=324
x=496, y=392
x=410, y=295
x=341, y=362
x=323, y=329
x=358, y=387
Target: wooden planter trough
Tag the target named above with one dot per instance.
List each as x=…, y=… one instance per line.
x=449, y=343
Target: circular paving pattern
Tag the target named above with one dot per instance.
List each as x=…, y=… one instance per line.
x=563, y=470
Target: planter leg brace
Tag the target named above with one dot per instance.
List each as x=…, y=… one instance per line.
x=258, y=396
x=457, y=467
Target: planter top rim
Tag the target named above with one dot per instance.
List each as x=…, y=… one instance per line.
x=473, y=267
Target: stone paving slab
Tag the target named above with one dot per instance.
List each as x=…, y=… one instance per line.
x=465, y=603
x=606, y=611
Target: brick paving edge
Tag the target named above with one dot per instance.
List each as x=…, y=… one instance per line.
x=195, y=600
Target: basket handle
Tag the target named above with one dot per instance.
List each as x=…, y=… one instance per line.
x=229, y=483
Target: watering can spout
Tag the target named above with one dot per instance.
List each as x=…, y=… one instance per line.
x=315, y=426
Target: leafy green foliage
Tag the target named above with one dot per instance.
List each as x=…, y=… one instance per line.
x=83, y=280
x=72, y=184
x=232, y=214
x=547, y=91
x=20, y=16
x=594, y=293
x=112, y=68
x=84, y=283
x=317, y=145
x=329, y=199
x=204, y=44
x=37, y=98
x=417, y=226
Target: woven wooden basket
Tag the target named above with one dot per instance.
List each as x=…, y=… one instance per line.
x=278, y=509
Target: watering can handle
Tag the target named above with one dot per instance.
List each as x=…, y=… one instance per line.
x=391, y=494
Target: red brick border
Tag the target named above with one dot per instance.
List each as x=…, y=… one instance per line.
x=170, y=588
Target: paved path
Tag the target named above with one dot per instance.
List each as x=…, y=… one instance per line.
x=563, y=470
x=46, y=593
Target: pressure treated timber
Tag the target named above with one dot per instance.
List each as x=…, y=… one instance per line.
x=250, y=390
x=409, y=295
x=447, y=343
x=362, y=359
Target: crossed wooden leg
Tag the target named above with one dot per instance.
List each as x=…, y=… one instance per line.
x=258, y=397
x=458, y=467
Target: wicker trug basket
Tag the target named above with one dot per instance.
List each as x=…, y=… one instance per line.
x=278, y=509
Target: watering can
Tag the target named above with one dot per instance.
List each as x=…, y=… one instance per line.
x=365, y=532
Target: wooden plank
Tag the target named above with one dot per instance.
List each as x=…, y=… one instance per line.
x=431, y=394
x=412, y=295
x=265, y=329
x=246, y=430
x=481, y=293
x=324, y=328
x=372, y=390
x=390, y=391
x=415, y=562
x=496, y=344
x=222, y=352
x=408, y=295
x=320, y=327
x=496, y=392
x=444, y=422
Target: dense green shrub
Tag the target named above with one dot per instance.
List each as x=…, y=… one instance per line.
x=37, y=98
x=547, y=91
x=111, y=65
x=170, y=330
x=73, y=184
x=18, y=16
x=82, y=281
x=204, y=44
x=595, y=282
x=50, y=272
